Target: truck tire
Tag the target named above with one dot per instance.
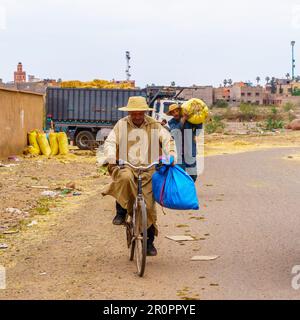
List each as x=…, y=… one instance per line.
x=85, y=140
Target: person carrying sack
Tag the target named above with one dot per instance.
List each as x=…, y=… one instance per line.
x=184, y=134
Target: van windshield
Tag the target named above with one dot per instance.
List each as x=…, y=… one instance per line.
x=166, y=106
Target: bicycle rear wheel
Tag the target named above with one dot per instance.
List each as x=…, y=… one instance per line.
x=140, y=233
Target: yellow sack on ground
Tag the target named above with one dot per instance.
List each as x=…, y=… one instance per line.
x=53, y=143
x=63, y=143
x=196, y=109
x=43, y=144
x=32, y=137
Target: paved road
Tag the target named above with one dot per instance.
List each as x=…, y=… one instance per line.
x=256, y=229
x=251, y=205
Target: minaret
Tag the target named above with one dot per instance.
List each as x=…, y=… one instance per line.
x=19, y=75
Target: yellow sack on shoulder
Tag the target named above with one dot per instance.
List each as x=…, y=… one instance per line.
x=32, y=137
x=53, y=143
x=63, y=143
x=44, y=144
x=196, y=109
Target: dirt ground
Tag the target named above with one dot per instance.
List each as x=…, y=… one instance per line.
x=76, y=179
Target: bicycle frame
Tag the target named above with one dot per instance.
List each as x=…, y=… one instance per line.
x=136, y=229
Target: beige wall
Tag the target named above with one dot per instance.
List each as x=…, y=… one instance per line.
x=19, y=113
x=204, y=93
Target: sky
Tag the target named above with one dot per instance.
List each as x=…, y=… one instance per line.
x=187, y=41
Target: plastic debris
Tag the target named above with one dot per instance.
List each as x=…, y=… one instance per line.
x=180, y=238
x=14, y=158
x=13, y=211
x=8, y=165
x=49, y=193
x=66, y=191
x=204, y=258
x=32, y=223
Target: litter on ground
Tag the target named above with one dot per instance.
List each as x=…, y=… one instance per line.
x=180, y=238
x=204, y=258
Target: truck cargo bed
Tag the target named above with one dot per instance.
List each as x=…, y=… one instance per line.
x=88, y=105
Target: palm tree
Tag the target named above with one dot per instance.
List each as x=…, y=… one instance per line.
x=257, y=80
x=273, y=85
x=288, y=76
x=229, y=81
x=225, y=82
x=173, y=84
x=268, y=79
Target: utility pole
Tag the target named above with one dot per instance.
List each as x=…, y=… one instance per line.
x=293, y=59
x=128, y=75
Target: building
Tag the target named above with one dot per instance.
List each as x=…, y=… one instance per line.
x=288, y=89
x=19, y=75
x=36, y=86
x=244, y=93
x=221, y=93
x=272, y=99
x=32, y=78
x=204, y=93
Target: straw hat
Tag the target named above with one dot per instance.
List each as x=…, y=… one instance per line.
x=136, y=104
x=173, y=107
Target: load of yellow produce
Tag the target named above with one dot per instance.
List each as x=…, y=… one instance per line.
x=50, y=144
x=53, y=143
x=34, y=148
x=63, y=143
x=44, y=144
x=197, y=110
x=97, y=84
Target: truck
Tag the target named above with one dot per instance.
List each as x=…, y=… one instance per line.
x=87, y=115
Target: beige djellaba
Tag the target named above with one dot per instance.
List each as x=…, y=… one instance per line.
x=140, y=146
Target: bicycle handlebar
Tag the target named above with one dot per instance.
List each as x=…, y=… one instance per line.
x=123, y=163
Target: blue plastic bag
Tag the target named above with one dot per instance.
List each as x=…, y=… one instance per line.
x=173, y=188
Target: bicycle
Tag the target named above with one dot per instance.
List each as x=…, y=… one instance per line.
x=136, y=226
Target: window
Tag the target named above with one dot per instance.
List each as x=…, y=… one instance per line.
x=249, y=94
x=257, y=94
x=157, y=107
x=166, y=106
x=243, y=94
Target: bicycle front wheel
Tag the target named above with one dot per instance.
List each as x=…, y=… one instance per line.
x=140, y=226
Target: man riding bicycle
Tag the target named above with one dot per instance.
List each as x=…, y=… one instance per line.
x=140, y=140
